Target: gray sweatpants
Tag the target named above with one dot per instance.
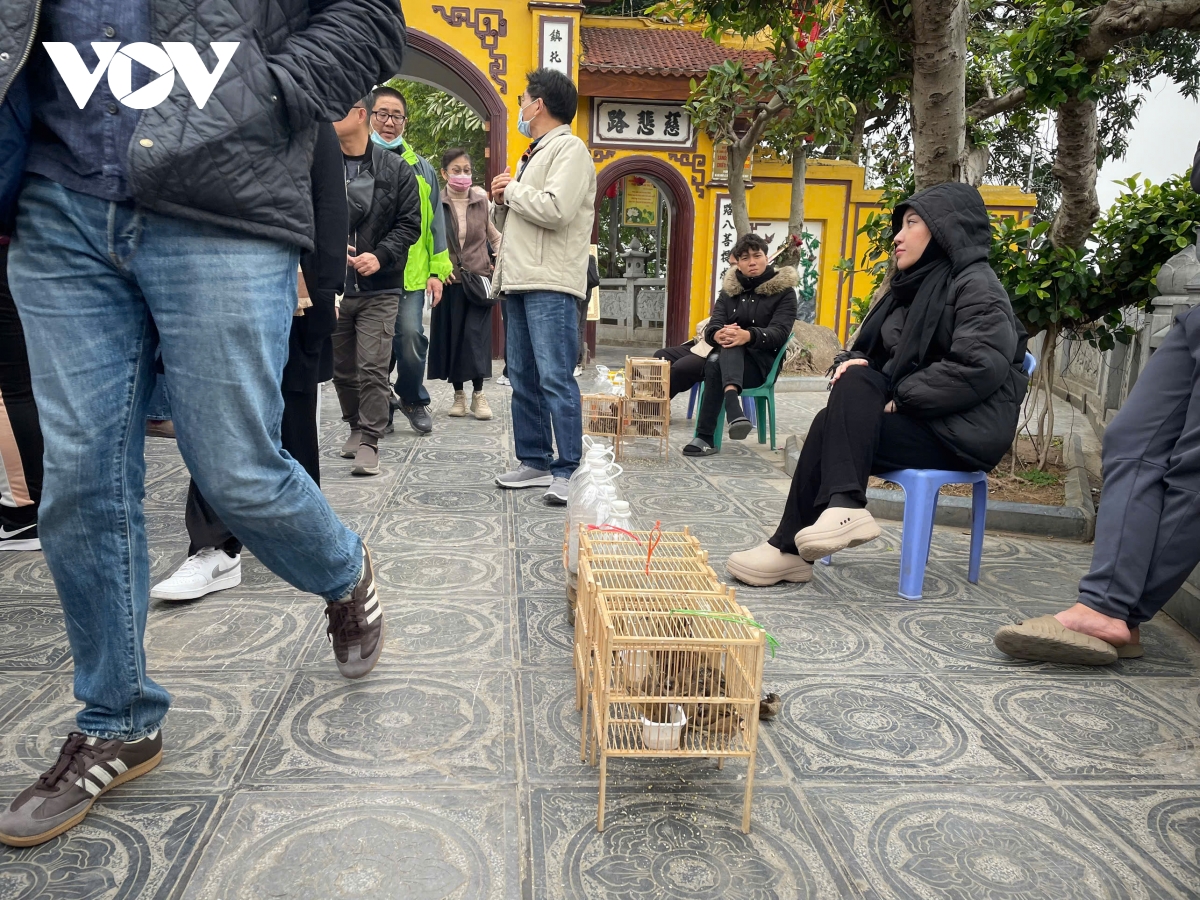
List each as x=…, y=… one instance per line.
x=1148, y=527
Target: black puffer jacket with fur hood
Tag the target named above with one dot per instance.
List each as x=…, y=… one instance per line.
x=768, y=313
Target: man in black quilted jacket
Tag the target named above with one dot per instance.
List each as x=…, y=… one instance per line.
x=384, y=203
x=164, y=205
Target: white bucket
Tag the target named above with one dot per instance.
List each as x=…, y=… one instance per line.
x=664, y=735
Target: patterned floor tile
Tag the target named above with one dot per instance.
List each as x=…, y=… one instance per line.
x=233, y=630
x=438, y=632
x=1085, y=729
x=443, y=573
x=941, y=638
x=545, y=636
x=820, y=638
x=482, y=499
x=391, y=845
x=1162, y=823
x=394, y=727
x=126, y=848
x=32, y=634
x=481, y=531
x=859, y=727
x=660, y=844
x=541, y=532
x=552, y=725
x=540, y=571
x=939, y=842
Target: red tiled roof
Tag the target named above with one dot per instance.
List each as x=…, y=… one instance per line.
x=656, y=51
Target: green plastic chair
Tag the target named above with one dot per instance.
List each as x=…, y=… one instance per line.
x=764, y=398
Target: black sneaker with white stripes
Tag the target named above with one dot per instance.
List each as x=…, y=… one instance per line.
x=355, y=626
x=62, y=796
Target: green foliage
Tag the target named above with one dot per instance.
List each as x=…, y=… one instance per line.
x=806, y=268
x=438, y=121
x=728, y=94
x=1048, y=285
x=1043, y=59
x=1145, y=227
x=1038, y=477
x=1085, y=293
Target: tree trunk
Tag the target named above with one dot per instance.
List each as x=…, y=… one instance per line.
x=856, y=135
x=939, y=90
x=975, y=163
x=738, y=154
x=796, y=210
x=1076, y=172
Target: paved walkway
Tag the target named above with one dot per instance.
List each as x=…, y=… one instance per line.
x=909, y=761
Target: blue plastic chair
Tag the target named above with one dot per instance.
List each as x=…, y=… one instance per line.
x=920, y=507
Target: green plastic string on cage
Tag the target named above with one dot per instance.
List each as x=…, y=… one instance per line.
x=730, y=617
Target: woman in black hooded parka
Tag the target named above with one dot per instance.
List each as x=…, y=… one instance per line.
x=933, y=380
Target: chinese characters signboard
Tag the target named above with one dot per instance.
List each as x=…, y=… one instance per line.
x=557, y=40
x=720, y=171
x=641, y=202
x=633, y=122
x=772, y=231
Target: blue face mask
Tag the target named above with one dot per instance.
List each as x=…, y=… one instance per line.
x=387, y=145
x=525, y=128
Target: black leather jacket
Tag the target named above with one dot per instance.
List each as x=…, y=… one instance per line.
x=243, y=160
x=384, y=202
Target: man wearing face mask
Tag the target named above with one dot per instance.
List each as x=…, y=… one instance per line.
x=384, y=218
x=428, y=261
x=545, y=214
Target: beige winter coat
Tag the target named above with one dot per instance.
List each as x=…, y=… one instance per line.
x=546, y=220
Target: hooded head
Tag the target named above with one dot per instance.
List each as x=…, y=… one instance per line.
x=956, y=218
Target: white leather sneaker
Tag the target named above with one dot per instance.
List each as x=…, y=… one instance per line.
x=209, y=570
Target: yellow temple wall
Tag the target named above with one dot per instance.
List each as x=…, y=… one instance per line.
x=504, y=41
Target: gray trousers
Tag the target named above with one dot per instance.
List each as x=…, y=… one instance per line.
x=1148, y=526
x=362, y=355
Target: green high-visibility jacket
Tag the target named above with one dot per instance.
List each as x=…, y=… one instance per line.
x=429, y=256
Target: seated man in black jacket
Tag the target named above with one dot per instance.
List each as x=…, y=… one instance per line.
x=934, y=381
x=752, y=319
x=384, y=203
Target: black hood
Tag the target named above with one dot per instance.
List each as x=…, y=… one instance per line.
x=956, y=218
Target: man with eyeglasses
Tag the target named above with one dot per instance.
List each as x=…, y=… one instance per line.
x=383, y=200
x=428, y=261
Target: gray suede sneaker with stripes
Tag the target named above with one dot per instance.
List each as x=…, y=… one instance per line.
x=86, y=768
x=355, y=626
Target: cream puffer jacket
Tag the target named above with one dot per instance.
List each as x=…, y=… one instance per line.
x=546, y=220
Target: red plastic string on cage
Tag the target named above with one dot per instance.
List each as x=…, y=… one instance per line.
x=653, y=540
x=615, y=530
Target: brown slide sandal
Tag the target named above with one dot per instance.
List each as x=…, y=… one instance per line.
x=1045, y=639
x=1130, y=651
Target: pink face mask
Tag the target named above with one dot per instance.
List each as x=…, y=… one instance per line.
x=460, y=182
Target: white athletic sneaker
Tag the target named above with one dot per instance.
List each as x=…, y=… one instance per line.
x=212, y=569
x=503, y=381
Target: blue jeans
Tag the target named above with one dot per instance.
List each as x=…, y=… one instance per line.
x=410, y=346
x=542, y=345
x=100, y=286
